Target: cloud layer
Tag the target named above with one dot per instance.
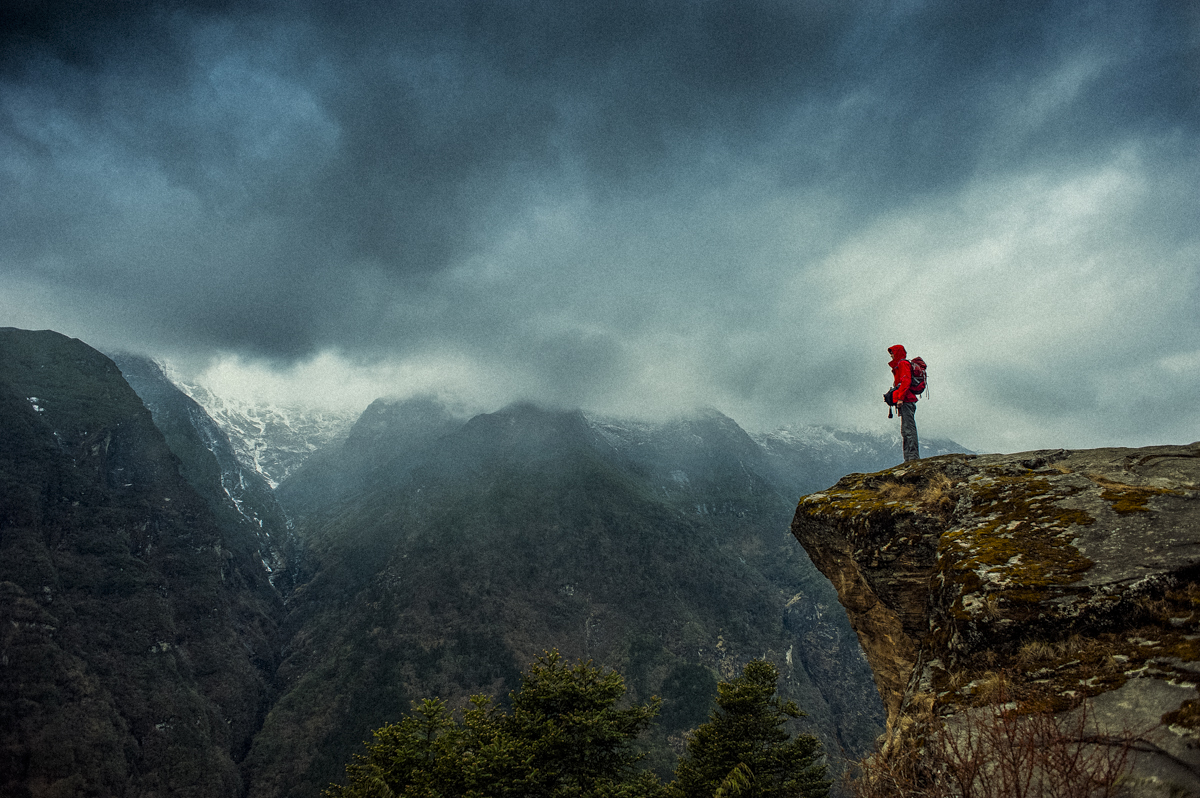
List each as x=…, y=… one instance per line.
x=626, y=206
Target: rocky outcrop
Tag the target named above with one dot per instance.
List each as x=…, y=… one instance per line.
x=1044, y=582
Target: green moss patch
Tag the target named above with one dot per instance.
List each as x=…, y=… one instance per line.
x=1024, y=540
x=1129, y=498
x=866, y=501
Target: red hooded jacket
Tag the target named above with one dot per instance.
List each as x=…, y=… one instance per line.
x=901, y=375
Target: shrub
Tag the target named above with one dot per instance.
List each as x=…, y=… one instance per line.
x=999, y=752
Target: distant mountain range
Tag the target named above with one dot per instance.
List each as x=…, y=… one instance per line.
x=448, y=553
x=419, y=552
x=277, y=441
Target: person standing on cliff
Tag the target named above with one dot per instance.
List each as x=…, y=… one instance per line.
x=905, y=401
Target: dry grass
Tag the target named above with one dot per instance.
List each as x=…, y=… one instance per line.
x=1158, y=609
x=1036, y=652
x=1074, y=646
x=957, y=680
x=1042, y=652
x=893, y=491
x=936, y=494
x=991, y=687
x=933, y=495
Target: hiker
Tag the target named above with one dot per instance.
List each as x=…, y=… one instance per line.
x=905, y=400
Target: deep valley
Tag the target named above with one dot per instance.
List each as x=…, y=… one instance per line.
x=172, y=623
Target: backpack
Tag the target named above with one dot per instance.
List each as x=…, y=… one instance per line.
x=916, y=385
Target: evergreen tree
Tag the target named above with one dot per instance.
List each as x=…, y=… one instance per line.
x=413, y=757
x=564, y=737
x=566, y=718
x=743, y=750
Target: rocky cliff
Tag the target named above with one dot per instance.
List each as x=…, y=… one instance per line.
x=1050, y=584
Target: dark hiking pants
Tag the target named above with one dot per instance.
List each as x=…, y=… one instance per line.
x=908, y=430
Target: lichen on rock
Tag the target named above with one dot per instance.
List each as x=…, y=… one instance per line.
x=1052, y=580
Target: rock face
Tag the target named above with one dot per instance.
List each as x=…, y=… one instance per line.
x=1052, y=581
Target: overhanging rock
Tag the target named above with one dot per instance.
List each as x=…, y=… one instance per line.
x=1046, y=580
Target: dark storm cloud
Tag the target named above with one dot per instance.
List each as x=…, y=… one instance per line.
x=565, y=187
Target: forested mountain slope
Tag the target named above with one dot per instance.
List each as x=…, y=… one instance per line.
x=661, y=552
x=137, y=637
x=240, y=497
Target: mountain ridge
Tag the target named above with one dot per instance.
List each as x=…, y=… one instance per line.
x=238, y=494
x=270, y=438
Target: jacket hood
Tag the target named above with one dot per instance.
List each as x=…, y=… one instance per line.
x=897, y=352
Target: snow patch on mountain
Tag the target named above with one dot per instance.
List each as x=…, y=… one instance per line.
x=272, y=439
x=827, y=441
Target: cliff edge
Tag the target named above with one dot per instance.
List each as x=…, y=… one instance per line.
x=1048, y=582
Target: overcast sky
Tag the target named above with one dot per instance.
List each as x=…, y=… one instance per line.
x=632, y=207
